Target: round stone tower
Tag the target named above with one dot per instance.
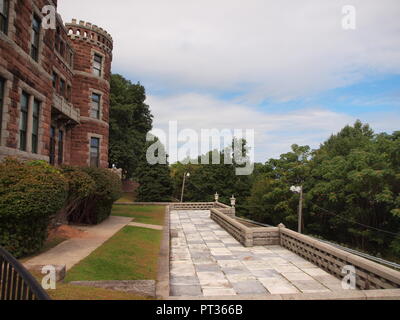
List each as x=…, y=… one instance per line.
x=90, y=93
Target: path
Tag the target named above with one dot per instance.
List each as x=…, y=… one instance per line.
x=71, y=251
x=147, y=226
x=208, y=261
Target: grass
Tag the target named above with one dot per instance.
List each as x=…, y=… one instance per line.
x=131, y=254
x=70, y=292
x=65, y=291
x=142, y=214
x=127, y=197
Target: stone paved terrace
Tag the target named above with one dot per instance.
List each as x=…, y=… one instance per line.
x=207, y=261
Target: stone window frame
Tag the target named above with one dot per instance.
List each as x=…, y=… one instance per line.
x=37, y=12
x=91, y=135
x=58, y=86
x=102, y=55
x=33, y=94
x=64, y=133
x=7, y=105
x=40, y=106
x=6, y=17
x=26, y=112
x=68, y=57
x=11, y=30
x=101, y=94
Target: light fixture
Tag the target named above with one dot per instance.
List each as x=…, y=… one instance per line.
x=295, y=189
x=233, y=201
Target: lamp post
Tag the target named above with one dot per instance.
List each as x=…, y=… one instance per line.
x=233, y=201
x=186, y=174
x=299, y=189
x=233, y=204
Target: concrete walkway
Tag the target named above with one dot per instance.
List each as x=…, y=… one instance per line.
x=71, y=251
x=147, y=226
x=205, y=260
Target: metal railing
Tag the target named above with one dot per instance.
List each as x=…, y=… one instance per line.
x=16, y=283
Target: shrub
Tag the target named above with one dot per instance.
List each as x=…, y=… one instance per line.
x=80, y=187
x=30, y=193
x=96, y=207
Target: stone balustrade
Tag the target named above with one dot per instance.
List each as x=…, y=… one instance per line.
x=370, y=275
x=375, y=281
x=257, y=236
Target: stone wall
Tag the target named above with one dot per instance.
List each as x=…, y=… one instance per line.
x=67, y=52
x=259, y=236
x=370, y=275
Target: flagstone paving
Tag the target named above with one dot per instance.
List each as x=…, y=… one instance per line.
x=205, y=260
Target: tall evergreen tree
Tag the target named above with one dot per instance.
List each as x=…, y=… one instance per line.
x=154, y=179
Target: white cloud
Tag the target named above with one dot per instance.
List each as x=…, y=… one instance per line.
x=259, y=49
x=274, y=132
x=277, y=49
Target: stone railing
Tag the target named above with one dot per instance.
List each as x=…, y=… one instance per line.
x=257, y=236
x=375, y=281
x=201, y=206
x=66, y=108
x=370, y=275
x=192, y=205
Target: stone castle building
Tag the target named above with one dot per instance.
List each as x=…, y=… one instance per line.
x=54, y=87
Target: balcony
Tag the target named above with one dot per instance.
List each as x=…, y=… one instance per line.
x=65, y=108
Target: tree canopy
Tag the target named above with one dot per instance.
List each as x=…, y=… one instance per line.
x=130, y=121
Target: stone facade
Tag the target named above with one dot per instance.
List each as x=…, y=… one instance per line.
x=55, y=87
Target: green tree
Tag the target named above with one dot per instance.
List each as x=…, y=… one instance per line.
x=271, y=200
x=207, y=179
x=130, y=121
x=154, y=179
x=356, y=181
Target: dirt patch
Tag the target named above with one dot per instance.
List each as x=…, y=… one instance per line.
x=66, y=232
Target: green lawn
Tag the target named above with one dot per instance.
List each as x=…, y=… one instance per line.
x=66, y=291
x=131, y=254
x=127, y=197
x=142, y=214
x=70, y=292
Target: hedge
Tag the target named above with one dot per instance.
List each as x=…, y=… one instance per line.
x=96, y=206
x=33, y=193
x=30, y=193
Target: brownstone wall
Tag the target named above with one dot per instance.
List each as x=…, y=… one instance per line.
x=88, y=40
x=22, y=73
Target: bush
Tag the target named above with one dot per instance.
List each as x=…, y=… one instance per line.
x=80, y=187
x=30, y=193
x=96, y=207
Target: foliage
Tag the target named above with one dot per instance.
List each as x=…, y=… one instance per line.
x=80, y=187
x=130, y=121
x=154, y=179
x=97, y=205
x=351, y=184
x=30, y=193
x=207, y=179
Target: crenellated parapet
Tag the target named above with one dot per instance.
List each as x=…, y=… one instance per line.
x=86, y=31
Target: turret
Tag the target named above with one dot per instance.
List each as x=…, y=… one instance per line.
x=91, y=92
